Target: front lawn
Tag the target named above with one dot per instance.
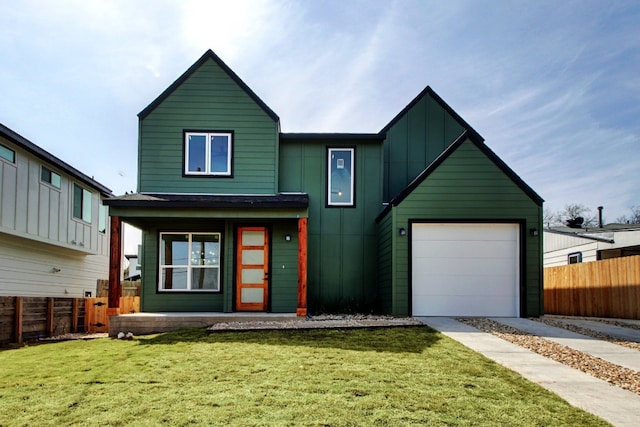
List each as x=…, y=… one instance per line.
x=370, y=377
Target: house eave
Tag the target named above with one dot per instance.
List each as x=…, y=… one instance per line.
x=44, y=155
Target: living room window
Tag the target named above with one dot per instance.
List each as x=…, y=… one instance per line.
x=340, y=177
x=190, y=262
x=50, y=177
x=208, y=153
x=81, y=203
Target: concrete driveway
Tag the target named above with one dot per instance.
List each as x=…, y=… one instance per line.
x=613, y=404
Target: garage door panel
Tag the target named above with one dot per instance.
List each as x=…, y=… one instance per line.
x=480, y=305
x=425, y=267
x=465, y=269
x=464, y=232
x=468, y=249
x=461, y=285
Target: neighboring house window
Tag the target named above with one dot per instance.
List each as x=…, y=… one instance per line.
x=50, y=177
x=7, y=154
x=208, y=153
x=81, y=203
x=103, y=213
x=575, y=258
x=190, y=262
x=340, y=177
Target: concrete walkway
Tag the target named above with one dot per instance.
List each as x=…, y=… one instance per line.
x=615, y=405
x=623, y=356
x=627, y=334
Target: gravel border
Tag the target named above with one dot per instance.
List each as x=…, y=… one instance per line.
x=318, y=322
x=624, y=378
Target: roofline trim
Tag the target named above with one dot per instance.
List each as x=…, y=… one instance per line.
x=576, y=234
x=32, y=148
x=333, y=136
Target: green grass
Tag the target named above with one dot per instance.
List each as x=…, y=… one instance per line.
x=382, y=377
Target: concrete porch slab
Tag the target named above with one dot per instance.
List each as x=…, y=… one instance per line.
x=151, y=323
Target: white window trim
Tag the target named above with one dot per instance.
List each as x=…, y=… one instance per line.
x=86, y=196
x=207, y=171
x=188, y=267
x=352, y=186
x=52, y=173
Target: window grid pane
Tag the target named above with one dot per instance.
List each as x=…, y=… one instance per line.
x=197, y=153
x=189, y=261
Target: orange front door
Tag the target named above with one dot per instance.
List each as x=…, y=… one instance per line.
x=252, y=269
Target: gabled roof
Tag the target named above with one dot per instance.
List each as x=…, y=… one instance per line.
x=32, y=148
x=430, y=92
x=208, y=55
x=477, y=141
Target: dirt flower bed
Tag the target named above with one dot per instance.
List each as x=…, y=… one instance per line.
x=622, y=377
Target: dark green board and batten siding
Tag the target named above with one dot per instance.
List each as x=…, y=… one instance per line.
x=208, y=98
x=341, y=240
x=466, y=185
x=415, y=138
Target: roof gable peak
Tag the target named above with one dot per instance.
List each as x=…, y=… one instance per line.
x=428, y=91
x=209, y=55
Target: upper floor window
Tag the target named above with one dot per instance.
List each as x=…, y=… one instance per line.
x=49, y=176
x=81, y=203
x=103, y=213
x=208, y=153
x=7, y=154
x=340, y=177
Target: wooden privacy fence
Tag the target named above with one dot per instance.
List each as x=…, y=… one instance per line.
x=97, y=320
x=128, y=288
x=30, y=318
x=608, y=288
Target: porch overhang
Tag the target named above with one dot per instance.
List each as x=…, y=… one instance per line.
x=215, y=201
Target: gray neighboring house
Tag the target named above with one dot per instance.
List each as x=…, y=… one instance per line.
x=54, y=237
x=564, y=245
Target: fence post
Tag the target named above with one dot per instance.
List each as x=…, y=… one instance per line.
x=18, y=322
x=74, y=315
x=50, y=315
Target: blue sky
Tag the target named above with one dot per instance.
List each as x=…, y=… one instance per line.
x=552, y=86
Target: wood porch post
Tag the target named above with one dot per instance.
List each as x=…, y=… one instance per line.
x=302, y=267
x=115, y=266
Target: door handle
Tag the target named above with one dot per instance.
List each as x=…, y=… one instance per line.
x=266, y=275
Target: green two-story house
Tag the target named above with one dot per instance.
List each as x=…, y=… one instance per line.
x=421, y=218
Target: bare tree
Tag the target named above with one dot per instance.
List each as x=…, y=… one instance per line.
x=577, y=215
x=633, y=218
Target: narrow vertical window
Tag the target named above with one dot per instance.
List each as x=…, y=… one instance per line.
x=208, y=153
x=81, y=203
x=103, y=213
x=340, y=177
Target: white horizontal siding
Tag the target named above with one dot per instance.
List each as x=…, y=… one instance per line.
x=28, y=268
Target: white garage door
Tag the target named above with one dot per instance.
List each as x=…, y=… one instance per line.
x=465, y=269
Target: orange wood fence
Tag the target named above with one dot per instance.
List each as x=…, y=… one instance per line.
x=96, y=318
x=608, y=288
